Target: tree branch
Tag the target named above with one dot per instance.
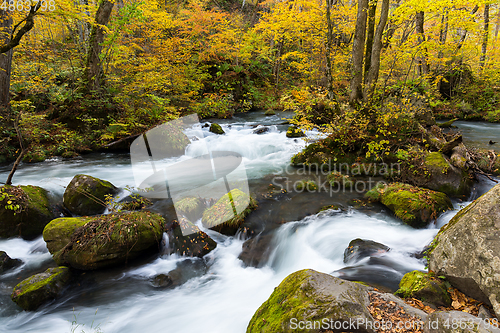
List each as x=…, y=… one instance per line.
x=16, y=39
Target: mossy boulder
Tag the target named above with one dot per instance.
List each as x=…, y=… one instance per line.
x=86, y=195
x=294, y=132
x=103, y=241
x=326, y=151
x=415, y=206
x=188, y=240
x=226, y=215
x=426, y=288
x=467, y=250
x=312, y=297
x=7, y=262
x=38, y=289
x=216, y=129
x=24, y=211
x=444, y=177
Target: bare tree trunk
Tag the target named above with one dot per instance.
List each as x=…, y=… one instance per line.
x=5, y=62
x=484, y=46
x=443, y=32
x=329, y=45
x=372, y=9
x=358, y=47
x=497, y=25
x=465, y=32
x=423, y=66
x=93, y=69
x=372, y=76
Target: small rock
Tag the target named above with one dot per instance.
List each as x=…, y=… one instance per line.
x=361, y=248
x=7, y=262
x=421, y=286
x=294, y=132
x=216, y=128
x=188, y=240
x=261, y=130
x=162, y=281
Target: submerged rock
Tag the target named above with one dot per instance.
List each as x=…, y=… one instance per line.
x=24, y=211
x=227, y=215
x=312, y=297
x=362, y=248
x=261, y=130
x=415, y=206
x=380, y=276
x=216, y=128
x=7, y=262
x=255, y=252
x=421, y=286
x=38, y=289
x=91, y=243
x=86, y=195
x=467, y=250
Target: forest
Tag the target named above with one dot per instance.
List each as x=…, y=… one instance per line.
x=78, y=75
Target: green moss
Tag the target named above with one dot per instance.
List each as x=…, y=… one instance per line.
x=58, y=232
x=86, y=195
x=336, y=179
x=216, y=128
x=420, y=285
x=38, y=199
x=221, y=216
x=436, y=161
x=375, y=194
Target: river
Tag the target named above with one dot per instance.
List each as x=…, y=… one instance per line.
x=221, y=293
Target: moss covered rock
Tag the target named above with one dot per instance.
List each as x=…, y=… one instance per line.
x=415, y=206
x=188, y=240
x=24, y=211
x=104, y=240
x=444, y=177
x=216, y=128
x=421, y=286
x=227, y=215
x=86, y=195
x=310, y=296
x=325, y=151
x=294, y=132
x=191, y=207
x=467, y=250
x=38, y=289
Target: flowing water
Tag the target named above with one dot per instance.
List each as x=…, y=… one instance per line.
x=221, y=293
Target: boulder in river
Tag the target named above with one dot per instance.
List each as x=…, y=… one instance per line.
x=24, y=211
x=38, y=289
x=229, y=212
x=188, y=240
x=216, y=128
x=261, y=130
x=424, y=287
x=7, y=262
x=103, y=241
x=467, y=250
x=361, y=248
x=306, y=300
x=86, y=195
x=415, y=206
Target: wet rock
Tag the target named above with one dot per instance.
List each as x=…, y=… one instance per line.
x=361, y=248
x=221, y=217
x=311, y=296
x=261, y=130
x=216, y=129
x=188, y=240
x=191, y=207
x=103, y=241
x=414, y=206
x=38, y=289
x=380, y=276
x=255, y=252
x=457, y=322
x=24, y=211
x=187, y=270
x=294, y=132
x=426, y=288
x=444, y=177
x=7, y=262
x=86, y=195
x=467, y=250
x=162, y=281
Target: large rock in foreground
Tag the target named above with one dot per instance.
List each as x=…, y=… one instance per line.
x=86, y=195
x=415, y=206
x=467, y=250
x=24, y=211
x=311, y=297
x=91, y=243
x=32, y=292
